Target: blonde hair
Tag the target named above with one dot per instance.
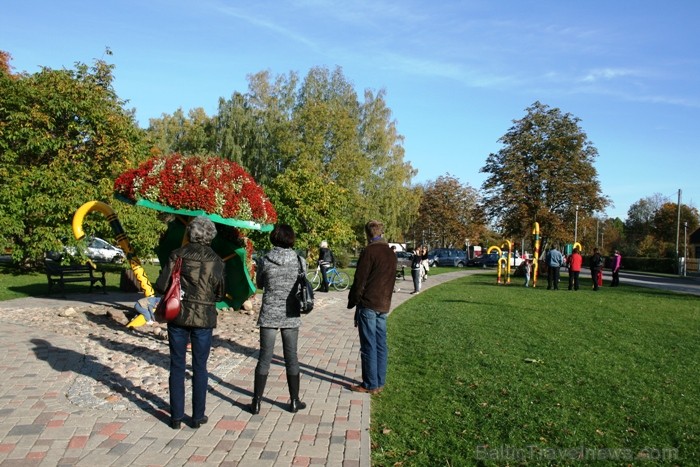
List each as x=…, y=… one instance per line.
x=324, y=244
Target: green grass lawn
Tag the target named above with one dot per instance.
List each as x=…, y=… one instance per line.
x=481, y=374
x=16, y=285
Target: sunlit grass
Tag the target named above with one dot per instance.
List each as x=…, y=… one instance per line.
x=477, y=369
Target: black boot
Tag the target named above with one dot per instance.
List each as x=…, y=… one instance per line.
x=258, y=390
x=296, y=404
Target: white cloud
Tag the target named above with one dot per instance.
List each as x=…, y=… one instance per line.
x=607, y=74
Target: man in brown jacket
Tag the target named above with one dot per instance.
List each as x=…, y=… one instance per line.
x=371, y=294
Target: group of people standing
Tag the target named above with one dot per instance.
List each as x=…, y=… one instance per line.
x=555, y=260
x=202, y=282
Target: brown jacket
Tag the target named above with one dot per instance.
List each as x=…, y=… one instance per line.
x=374, y=278
x=202, y=281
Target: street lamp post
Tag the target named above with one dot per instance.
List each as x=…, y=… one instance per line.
x=576, y=225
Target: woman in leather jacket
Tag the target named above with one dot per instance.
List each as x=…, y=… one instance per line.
x=202, y=283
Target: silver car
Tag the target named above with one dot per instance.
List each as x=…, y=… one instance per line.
x=100, y=251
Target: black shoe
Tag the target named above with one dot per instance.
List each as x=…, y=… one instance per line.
x=200, y=422
x=296, y=405
x=255, y=405
x=258, y=390
x=175, y=424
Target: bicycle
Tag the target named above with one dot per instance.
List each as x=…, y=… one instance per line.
x=338, y=279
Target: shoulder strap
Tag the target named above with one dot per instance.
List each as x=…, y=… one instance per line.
x=301, y=267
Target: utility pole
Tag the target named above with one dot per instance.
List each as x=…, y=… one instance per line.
x=685, y=248
x=576, y=226
x=678, y=230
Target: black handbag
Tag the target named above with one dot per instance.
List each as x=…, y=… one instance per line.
x=303, y=291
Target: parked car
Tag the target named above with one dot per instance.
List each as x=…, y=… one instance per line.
x=404, y=258
x=484, y=261
x=99, y=251
x=447, y=257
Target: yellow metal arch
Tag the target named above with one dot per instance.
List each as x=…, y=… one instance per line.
x=121, y=237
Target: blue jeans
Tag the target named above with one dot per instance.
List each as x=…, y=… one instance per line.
x=146, y=306
x=415, y=274
x=290, y=338
x=201, y=345
x=553, y=278
x=374, y=352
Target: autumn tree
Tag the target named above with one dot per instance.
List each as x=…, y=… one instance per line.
x=640, y=216
x=64, y=137
x=652, y=226
x=544, y=170
x=448, y=214
x=666, y=223
x=639, y=227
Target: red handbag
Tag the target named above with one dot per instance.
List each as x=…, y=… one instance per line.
x=169, y=306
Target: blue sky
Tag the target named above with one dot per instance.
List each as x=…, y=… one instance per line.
x=456, y=73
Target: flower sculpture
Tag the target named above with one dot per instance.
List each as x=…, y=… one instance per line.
x=195, y=186
x=222, y=190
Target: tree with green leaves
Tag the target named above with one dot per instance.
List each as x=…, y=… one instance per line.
x=388, y=183
x=64, y=137
x=448, y=214
x=317, y=124
x=543, y=172
x=312, y=205
x=189, y=134
x=255, y=129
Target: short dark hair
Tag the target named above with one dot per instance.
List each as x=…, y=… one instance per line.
x=282, y=236
x=374, y=229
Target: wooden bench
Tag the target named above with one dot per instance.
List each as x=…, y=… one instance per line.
x=400, y=272
x=61, y=275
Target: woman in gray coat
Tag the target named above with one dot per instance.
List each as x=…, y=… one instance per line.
x=276, y=275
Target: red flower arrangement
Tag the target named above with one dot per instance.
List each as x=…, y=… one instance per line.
x=195, y=183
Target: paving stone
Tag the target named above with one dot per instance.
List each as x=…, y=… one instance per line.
x=81, y=389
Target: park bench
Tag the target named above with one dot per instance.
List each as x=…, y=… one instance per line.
x=400, y=272
x=61, y=275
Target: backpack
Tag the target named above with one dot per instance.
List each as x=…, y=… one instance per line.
x=597, y=262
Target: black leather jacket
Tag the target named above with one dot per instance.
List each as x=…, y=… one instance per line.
x=202, y=282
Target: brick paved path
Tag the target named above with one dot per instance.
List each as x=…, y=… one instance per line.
x=39, y=426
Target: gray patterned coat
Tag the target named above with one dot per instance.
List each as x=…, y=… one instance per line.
x=276, y=275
